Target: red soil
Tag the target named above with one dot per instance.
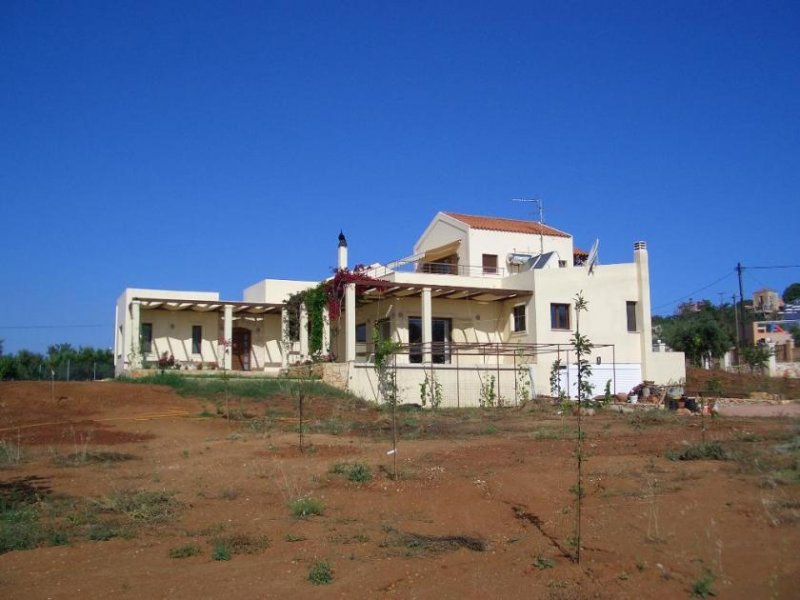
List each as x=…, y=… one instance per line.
x=650, y=526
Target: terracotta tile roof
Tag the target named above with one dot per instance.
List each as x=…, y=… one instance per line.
x=510, y=225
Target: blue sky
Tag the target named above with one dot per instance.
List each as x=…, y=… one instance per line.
x=206, y=146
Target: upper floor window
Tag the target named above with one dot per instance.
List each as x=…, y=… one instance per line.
x=630, y=310
x=146, y=335
x=559, y=316
x=519, y=318
x=490, y=263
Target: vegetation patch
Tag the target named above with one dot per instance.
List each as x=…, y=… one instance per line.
x=356, y=472
x=702, y=451
x=320, y=573
x=239, y=543
x=302, y=508
x=77, y=459
x=143, y=506
x=185, y=551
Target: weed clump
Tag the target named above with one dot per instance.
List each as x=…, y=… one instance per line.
x=302, y=508
x=355, y=472
x=320, y=573
x=702, y=451
x=143, y=506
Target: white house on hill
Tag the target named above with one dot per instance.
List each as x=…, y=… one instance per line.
x=484, y=306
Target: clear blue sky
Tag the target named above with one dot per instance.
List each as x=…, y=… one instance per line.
x=206, y=146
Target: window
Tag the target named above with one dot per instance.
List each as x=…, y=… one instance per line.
x=197, y=339
x=630, y=309
x=361, y=333
x=146, y=336
x=490, y=263
x=440, y=334
x=559, y=316
x=519, y=318
x=562, y=264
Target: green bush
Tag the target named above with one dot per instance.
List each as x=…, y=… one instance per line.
x=320, y=573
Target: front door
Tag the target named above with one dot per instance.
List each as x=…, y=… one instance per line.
x=240, y=349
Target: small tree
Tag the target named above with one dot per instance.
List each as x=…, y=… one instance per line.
x=756, y=357
x=583, y=348
x=384, y=351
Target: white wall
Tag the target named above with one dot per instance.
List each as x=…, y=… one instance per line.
x=275, y=291
x=503, y=243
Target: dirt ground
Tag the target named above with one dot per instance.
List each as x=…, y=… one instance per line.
x=482, y=507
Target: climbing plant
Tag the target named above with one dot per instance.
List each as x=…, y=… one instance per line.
x=329, y=293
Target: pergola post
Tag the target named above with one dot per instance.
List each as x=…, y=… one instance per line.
x=227, y=334
x=350, y=322
x=303, y=332
x=285, y=341
x=326, y=331
x=427, y=325
x=136, y=335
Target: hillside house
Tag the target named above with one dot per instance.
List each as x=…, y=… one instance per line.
x=480, y=300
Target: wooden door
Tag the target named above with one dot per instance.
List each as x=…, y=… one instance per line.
x=240, y=349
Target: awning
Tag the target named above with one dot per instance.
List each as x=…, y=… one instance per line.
x=440, y=252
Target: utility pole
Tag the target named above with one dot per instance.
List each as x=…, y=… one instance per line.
x=540, y=203
x=739, y=269
x=738, y=336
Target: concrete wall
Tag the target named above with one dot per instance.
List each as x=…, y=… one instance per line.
x=502, y=243
x=668, y=367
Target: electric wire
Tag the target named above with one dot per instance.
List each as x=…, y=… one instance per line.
x=690, y=294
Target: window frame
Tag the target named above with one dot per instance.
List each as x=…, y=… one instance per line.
x=488, y=268
x=515, y=319
x=630, y=316
x=146, y=341
x=556, y=316
x=197, y=340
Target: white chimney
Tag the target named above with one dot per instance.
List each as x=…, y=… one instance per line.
x=342, y=262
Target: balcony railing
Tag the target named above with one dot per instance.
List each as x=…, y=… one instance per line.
x=415, y=265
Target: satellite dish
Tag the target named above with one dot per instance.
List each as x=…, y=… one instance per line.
x=592, y=260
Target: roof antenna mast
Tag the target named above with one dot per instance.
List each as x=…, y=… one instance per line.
x=540, y=203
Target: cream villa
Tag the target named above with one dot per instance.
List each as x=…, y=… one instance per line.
x=483, y=309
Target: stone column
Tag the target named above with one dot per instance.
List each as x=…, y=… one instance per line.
x=427, y=325
x=136, y=335
x=227, y=329
x=350, y=322
x=304, y=354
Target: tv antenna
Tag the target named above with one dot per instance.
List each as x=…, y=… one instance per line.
x=540, y=203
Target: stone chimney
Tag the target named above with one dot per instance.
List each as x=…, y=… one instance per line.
x=342, y=262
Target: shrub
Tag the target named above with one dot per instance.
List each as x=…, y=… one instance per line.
x=320, y=573
x=220, y=551
x=305, y=507
x=359, y=473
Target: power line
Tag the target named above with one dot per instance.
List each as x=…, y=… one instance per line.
x=690, y=294
x=54, y=326
x=774, y=267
